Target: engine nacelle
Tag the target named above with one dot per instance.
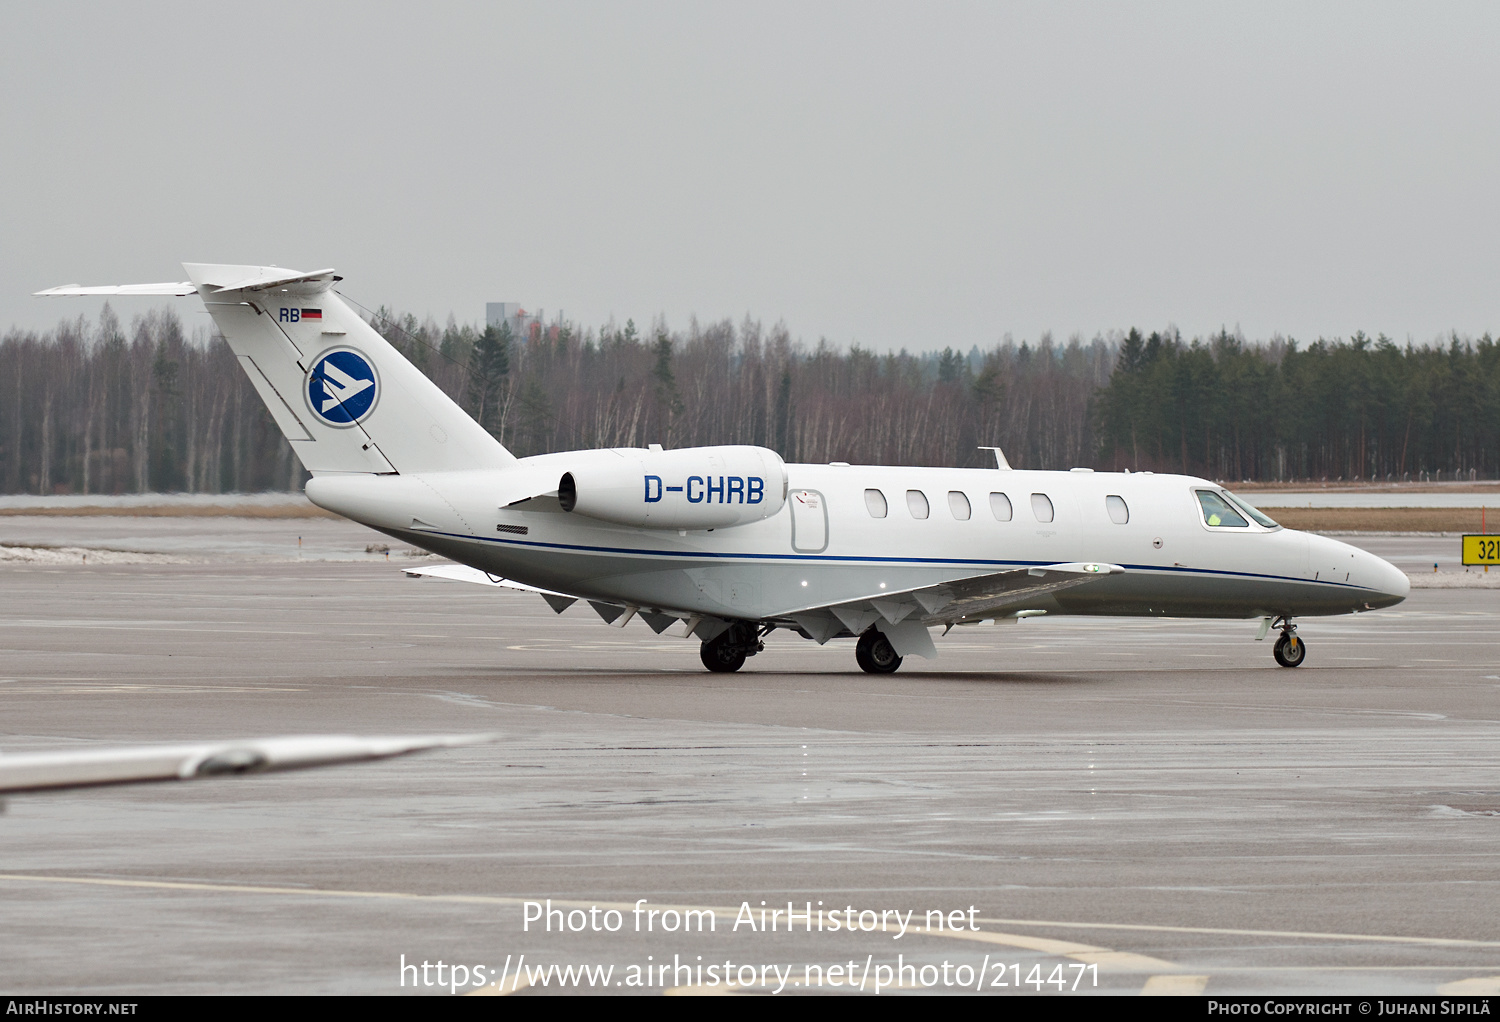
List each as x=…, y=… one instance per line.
x=690, y=488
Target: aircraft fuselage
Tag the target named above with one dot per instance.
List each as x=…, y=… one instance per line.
x=826, y=545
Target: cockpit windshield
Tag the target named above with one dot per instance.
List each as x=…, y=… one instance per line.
x=1261, y=518
x=1223, y=510
x=1219, y=513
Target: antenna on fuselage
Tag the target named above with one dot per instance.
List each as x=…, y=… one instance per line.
x=1000, y=461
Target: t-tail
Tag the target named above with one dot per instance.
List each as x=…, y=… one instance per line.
x=342, y=395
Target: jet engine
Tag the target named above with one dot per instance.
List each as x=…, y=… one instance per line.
x=690, y=488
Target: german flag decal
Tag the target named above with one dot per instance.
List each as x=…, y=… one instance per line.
x=312, y=313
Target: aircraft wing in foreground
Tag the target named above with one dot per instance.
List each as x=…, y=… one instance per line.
x=86, y=768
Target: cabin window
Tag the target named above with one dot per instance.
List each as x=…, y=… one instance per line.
x=1118, y=512
x=1218, y=513
x=1041, y=506
x=1000, y=505
x=916, y=501
x=958, y=503
x=875, y=501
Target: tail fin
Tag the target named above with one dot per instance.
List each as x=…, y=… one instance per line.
x=346, y=399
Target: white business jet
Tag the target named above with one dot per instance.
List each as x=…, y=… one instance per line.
x=730, y=542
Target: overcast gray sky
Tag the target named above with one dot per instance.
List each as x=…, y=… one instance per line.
x=888, y=174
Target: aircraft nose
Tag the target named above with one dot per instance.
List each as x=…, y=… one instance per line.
x=1375, y=582
x=1390, y=581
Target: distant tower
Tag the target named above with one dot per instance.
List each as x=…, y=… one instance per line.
x=496, y=313
x=522, y=323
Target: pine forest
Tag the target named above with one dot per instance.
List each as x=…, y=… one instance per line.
x=95, y=407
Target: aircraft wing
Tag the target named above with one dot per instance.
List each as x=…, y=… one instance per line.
x=970, y=598
x=906, y=613
x=84, y=768
x=463, y=573
x=614, y=614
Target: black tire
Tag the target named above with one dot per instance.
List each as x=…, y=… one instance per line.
x=875, y=655
x=720, y=657
x=1290, y=650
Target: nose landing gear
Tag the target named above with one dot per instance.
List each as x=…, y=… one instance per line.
x=1290, y=650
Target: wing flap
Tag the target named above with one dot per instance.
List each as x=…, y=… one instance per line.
x=820, y=626
x=960, y=599
x=985, y=594
x=910, y=638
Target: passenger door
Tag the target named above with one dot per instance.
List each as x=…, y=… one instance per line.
x=809, y=521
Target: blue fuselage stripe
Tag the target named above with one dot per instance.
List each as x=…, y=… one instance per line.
x=912, y=561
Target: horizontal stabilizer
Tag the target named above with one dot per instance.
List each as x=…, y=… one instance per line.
x=218, y=279
x=82, y=768
x=180, y=290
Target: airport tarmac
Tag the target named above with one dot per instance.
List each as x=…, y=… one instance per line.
x=1150, y=804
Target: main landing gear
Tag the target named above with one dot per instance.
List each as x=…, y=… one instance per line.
x=1290, y=650
x=875, y=654
x=727, y=652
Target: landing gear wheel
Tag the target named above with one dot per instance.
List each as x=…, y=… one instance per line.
x=719, y=656
x=1290, y=650
x=875, y=654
